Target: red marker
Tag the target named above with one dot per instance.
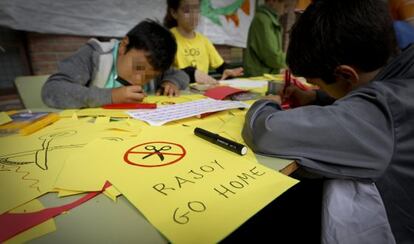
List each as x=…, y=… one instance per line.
x=287, y=80
x=286, y=102
x=130, y=106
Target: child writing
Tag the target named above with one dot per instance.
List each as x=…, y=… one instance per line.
x=366, y=137
x=102, y=73
x=195, y=53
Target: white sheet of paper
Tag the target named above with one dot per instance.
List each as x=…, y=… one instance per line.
x=244, y=83
x=169, y=113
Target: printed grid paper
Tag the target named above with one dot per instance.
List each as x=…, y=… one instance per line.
x=162, y=115
x=244, y=83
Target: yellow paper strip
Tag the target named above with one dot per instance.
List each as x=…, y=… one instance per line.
x=4, y=118
x=112, y=193
x=102, y=120
x=66, y=193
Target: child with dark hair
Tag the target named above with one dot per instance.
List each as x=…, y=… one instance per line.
x=195, y=53
x=117, y=71
x=362, y=143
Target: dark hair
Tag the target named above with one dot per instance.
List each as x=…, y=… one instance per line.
x=335, y=32
x=169, y=20
x=159, y=42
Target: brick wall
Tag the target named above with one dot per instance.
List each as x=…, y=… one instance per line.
x=46, y=50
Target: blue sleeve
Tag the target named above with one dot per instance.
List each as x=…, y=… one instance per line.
x=342, y=140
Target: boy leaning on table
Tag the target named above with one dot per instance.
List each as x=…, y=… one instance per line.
x=362, y=143
x=102, y=73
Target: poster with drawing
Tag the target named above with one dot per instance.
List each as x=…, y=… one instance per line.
x=178, y=183
x=223, y=21
x=30, y=164
x=226, y=21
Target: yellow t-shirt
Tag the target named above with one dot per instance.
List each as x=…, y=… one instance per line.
x=198, y=52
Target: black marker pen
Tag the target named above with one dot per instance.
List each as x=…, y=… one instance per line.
x=221, y=141
x=123, y=81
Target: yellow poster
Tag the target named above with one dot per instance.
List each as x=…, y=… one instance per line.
x=29, y=165
x=86, y=170
x=181, y=182
x=38, y=230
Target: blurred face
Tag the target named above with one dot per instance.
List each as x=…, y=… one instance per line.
x=187, y=14
x=133, y=65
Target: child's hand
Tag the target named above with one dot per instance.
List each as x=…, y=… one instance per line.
x=275, y=98
x=232, y=73
x=168, y=89
x=203, y=78
x=298, y=96
x=128, y=94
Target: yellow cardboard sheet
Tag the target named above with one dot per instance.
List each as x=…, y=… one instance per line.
x=213, y=121
x=275, y=77
x=72, y=121
x=112, y=193
x=232, y=127
x=29, y=165
x=102, y=120
x=67, y=113
x=165, y=100
x=135, y=124
x=88, y=163
x=85, y=170
x=66, y=193
x=181, y=182
x=4, y=118
x=37, y=231
x=95, y=112
x=225, y=123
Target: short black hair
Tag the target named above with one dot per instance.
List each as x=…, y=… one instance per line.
x=330, y=33
x=159, y=42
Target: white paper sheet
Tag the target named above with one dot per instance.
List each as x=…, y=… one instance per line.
x=245, y=83
x=169, y=113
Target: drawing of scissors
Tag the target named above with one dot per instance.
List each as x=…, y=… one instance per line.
x=156, y=151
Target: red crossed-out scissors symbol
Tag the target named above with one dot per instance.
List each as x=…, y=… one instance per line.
x=156, y=151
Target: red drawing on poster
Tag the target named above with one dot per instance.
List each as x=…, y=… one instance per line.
x=155, y=154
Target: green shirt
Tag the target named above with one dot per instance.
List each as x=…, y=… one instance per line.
x=264, y=53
